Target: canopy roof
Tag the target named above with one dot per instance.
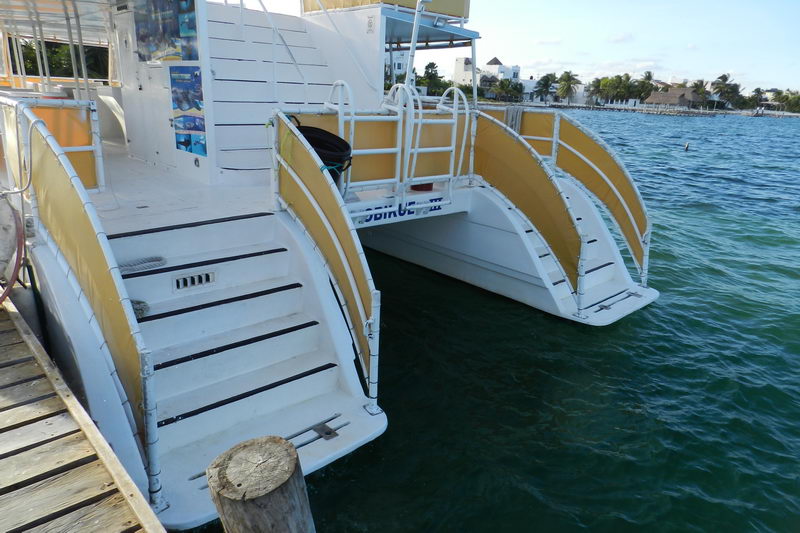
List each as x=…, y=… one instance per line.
x=434, y=32
x=21, y=16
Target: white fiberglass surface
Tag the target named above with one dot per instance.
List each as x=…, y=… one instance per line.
x=139, y=195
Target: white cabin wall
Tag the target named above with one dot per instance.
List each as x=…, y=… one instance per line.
x=147, y=103
x=362, y=32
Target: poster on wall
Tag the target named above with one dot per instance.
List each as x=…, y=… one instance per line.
x=188, y=117
x=166, y=30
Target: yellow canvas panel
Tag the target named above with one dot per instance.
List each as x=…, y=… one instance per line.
x=578, y=168
x=537, y=124
x=301, y=161
x=593, y=181
x=454, y=8
x=499, y=114
x=70, y=127
x=63, y=213
x=544, y=148
x=384, y=135
x=507, y=164
x=84, y=165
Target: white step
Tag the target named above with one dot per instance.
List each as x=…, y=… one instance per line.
x=183, y=468
x=207, y=272
x=203, y=362
x=213, y=313
x=193, y=237
x=179, y=427
x=598, y=272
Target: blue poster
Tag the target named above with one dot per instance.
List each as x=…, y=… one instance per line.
x=188, y=117
x=166, y=30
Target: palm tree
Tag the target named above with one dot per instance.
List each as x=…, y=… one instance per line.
x=646, y=85
x=566, y=85
x=595, y=89
x=544, y=86
x=699, y=87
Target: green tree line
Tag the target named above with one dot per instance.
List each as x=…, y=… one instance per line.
x=59, y=60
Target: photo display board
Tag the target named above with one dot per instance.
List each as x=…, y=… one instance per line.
x=188, y=117
x=166, y=30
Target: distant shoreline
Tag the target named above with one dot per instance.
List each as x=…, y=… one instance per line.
x=670, y=112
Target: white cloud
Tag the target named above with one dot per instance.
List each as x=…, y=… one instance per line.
x=548, y=42
x=621, y=38
x=691, y=46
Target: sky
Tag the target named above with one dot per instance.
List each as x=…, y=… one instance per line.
x=757, y=42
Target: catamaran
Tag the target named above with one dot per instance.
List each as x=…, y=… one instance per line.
x=200, y=267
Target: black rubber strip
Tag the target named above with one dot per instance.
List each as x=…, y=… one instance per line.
x=559, y=282
x=244, y=395
x=220, y=302
x=187, y=225
x=528, y=231
x=544, y=255
x=592, y=241
x=605, y=299
x=579, y=219
x=595, y=269
x=201, y=263
x=233, y=345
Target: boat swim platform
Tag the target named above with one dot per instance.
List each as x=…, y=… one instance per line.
x=57, y=472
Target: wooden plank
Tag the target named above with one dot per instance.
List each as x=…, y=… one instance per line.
x=25, y=393
x=18, y=373
x=50, y=497
x=31, y=412
x=47, y=460
x=6, y=324
x=9, y=337
x=24, y=437
x=15, y=353
x=80, y=417
x=108, y=515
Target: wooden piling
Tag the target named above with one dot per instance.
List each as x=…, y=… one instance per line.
x=258, y=486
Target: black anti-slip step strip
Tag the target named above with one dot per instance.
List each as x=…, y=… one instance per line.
x=592, y=241
x=595, y=269
x=605, y=299
x=201, y=263
x=186, y=225
x=233, y=345
x=220, y=302
x=244, y=395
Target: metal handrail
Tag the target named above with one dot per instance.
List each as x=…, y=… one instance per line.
x=369, y=319
x=149, y=407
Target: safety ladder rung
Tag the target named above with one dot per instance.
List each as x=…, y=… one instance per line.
x=447, y=121
x=432, y=149
x=375, y=151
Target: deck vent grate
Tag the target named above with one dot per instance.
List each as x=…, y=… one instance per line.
x=194, y=280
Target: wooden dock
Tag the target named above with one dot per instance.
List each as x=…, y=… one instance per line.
x=57, y=472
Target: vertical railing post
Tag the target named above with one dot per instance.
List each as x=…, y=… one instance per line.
x=97, y=145
x=81, y=51
x=556, y=135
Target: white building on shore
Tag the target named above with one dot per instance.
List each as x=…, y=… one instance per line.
x=462, y=73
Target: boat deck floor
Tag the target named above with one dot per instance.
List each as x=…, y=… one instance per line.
x=57, y=473
x=139, y=195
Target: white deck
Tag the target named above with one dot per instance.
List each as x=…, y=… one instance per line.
x=140, y=195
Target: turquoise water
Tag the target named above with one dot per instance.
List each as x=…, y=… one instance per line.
x=683, y=417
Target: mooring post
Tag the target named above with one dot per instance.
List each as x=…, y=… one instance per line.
x=258, y=486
